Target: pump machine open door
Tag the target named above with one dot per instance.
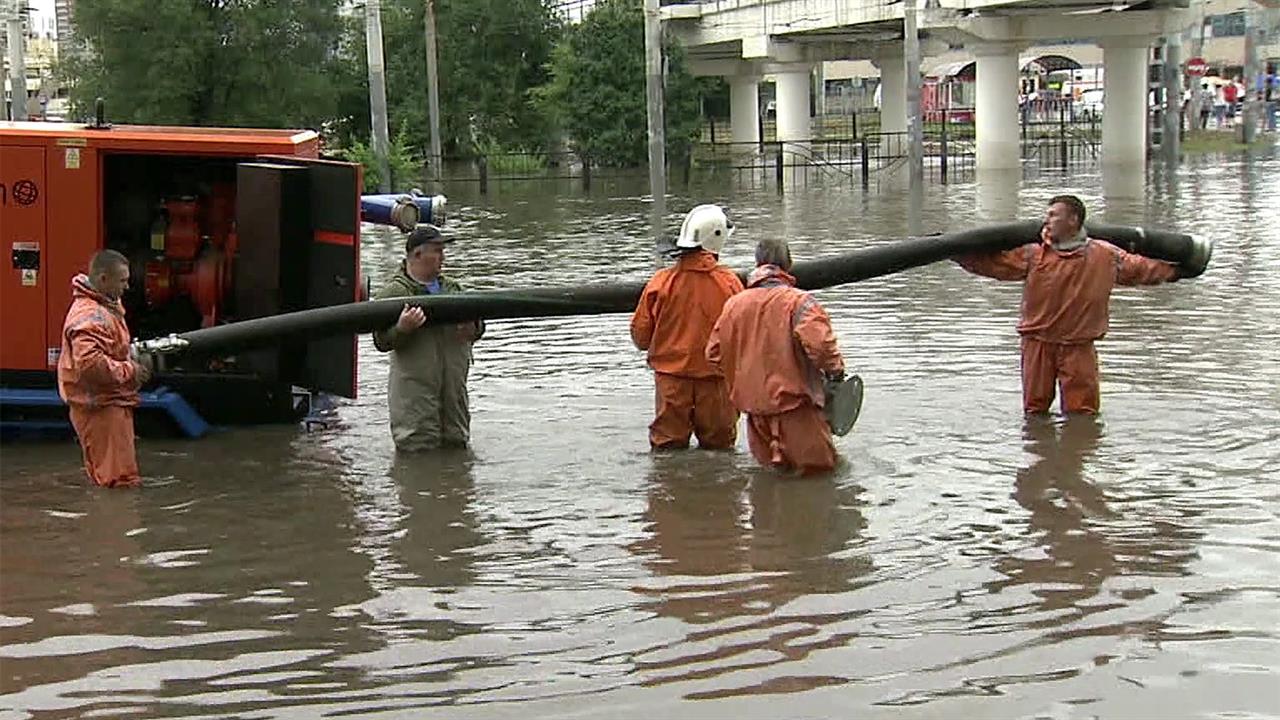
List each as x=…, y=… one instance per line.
x=298, y=222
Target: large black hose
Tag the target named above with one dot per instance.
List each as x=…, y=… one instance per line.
x=1190, y=252
x=604, y=298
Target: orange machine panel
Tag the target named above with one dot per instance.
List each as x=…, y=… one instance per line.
x=23, y=277
x=245, y=142
x=75, y=227
x=61, y=224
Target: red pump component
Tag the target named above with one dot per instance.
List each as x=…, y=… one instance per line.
x=193, y=264
x=159, y=287
x=219, y=220
x=202, y=281
x=182, y=237
x=204, y=284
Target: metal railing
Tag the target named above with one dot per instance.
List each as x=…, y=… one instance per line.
x=844, y=148
x=862, y=160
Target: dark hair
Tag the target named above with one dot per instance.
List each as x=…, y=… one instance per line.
x=1073, y=202
x=421, y=235
x=105, y=261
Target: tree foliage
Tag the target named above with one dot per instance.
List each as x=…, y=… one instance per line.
x=597, y=90
x=511, y=75
x=205, y=62
x=491, y=54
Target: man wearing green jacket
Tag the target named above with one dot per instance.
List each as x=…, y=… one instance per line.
x=427, y=386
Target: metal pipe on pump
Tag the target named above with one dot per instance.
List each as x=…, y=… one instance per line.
x=403, y=210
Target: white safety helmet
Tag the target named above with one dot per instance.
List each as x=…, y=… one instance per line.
x=706, y=227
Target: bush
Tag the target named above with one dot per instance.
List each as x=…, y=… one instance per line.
x=506, y=160
x=597, y=90
x=406, y=166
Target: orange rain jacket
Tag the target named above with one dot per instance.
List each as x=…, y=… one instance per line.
x=1066, y=295
x=773, y=342
x=677, y=310
x=99, y=382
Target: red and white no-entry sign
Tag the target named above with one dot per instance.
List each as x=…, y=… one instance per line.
x=1196, y=67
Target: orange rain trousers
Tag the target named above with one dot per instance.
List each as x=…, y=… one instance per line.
x=1071, y=367
x=692, y=406
x=106, y=436
x=799, y=438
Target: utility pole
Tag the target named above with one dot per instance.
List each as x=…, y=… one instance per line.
x=911, y=58
x=1249, y=126
x=1171, y=133
x=915, y=129
x=433, y=94
x=17, y=65
x=378, y=92
x=819, y=91
x=1197, y=95
x=657, y=135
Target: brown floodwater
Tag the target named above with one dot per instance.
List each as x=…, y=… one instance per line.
x=961, y=562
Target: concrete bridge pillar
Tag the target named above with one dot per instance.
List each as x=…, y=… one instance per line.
x=996, y=111
x=1124, y=100
x=893, y=101
x=744, y=111
x=793, y=104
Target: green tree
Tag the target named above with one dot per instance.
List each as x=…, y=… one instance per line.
x=204, y=62
x=492, y=53
x=597, y=91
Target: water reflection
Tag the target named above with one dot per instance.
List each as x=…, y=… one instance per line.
x=809, y=532
x=1165, y=185
x=732, y=555
x=996, y=192
x=441, y=531
x=1124, y=192
x=699, y=526
x=74, y=626
x=1060, y=500
x=1084, y=537
x=915, y=211
x=420, y=530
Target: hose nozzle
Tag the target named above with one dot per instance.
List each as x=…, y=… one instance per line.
x=166, y=345
x=1198, y=260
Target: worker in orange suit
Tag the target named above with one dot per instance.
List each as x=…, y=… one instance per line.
x=98, y=377
x=775, y=345
x=1067, y=278
x=672, y=321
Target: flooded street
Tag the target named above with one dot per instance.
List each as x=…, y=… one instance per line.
x=962, y=562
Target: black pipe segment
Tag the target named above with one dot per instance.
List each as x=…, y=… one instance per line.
x=604, y=298
x=1191, y=253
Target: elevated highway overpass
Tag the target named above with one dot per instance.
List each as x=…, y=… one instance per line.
x=743, y=40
